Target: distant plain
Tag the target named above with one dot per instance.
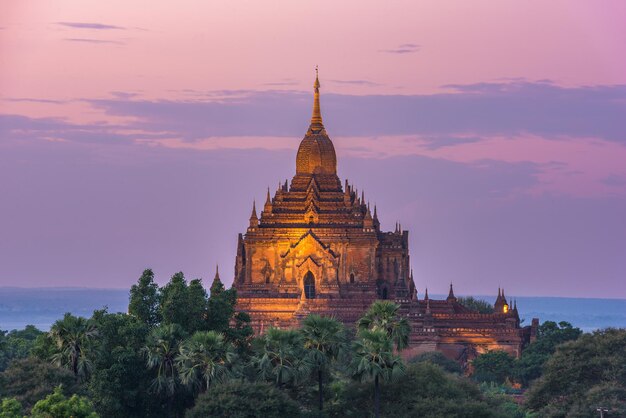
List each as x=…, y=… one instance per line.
x=42, y=306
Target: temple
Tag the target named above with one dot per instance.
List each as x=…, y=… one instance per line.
x=317, y=247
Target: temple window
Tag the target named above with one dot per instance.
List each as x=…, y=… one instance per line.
x=351, y=277
x=309, y=286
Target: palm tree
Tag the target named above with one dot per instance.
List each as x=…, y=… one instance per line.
x=324, y=339
x=72, y=336
x=204, y=358
x=374, y=358
x=161, y=350
x=384, y=315
x=280, y=356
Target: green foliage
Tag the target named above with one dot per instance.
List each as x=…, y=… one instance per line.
x=144, y=299
x=474, y=304
x=493, y=366
x=161, y=350
x=244, y=400
x=437, y=358
x=185, y=305
x=324, y=340
x=17, y=344
x=204, y=359
x=373, y=356
x=11, y=408
x=29, y=380
x=72, y=337
x=424, y=390
x=279, y=356
x=549, y=336
x=56, y=405
x=120, y=378
x=384, y=315
x=583, y=374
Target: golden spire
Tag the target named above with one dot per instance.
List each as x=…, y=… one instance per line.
x=316, y=120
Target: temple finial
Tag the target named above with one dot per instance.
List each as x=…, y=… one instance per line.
x=451, y=293
x=217, y=286
x=316, y=120
x=268, y=199
x=254, y=220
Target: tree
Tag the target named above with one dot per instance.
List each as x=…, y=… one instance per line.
x=72, y=336
x=10, y=408
x=280, y=356
x=161, y=350
x=144, y=299
x=493, y=366
x=374, y=359
x=56, y=405
x=183, y=304
x=324, y=339
x=581, y=375
x=549, y=336
x=439, y=359
x=474, y=304
x=423, y=391
x=244, y=400
x=17, y=344
x=173, y=306
x=31, y=379
x=120, y=377
x=384, y=315
x=196, y=307
x=205, y=358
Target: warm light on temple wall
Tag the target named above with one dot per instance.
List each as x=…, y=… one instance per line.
x=505, y=308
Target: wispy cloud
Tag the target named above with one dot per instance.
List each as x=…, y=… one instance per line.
x=94, y=41
x=403, y=49
x=86, y=25
x=32, y=100
x=615, y=180
x=284, y=82
x=356, y=82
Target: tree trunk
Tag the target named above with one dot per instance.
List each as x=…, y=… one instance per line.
x=376, y=398
x=319, y=385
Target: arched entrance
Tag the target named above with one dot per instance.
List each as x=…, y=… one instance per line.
x=309, y=285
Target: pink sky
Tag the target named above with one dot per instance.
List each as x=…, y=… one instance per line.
x=525, y=99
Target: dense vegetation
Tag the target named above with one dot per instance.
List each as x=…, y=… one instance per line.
x=180, y=352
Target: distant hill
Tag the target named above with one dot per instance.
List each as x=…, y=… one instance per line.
x=42, y=306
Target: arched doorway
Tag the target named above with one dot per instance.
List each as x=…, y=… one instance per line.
x=309, y=285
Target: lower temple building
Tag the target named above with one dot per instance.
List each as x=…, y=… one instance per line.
x=317, y=247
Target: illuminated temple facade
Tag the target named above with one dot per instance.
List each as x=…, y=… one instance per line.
x=316, y=247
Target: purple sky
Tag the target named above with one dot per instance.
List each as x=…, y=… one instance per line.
x=137, y=135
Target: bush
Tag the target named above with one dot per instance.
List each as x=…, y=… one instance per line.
x=493, y=366
x=583, y=375
x=425, y=390
x=244, y=400
x=29, y=380
x=437, y=358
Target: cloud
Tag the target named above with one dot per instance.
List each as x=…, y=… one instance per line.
x=33, y=100
x=512, y=109
x=285, y=82
x=615, y=180
x=437, y=142
x=403, y=49
x=83, y=25
x=94, y=41
x=356, y=82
